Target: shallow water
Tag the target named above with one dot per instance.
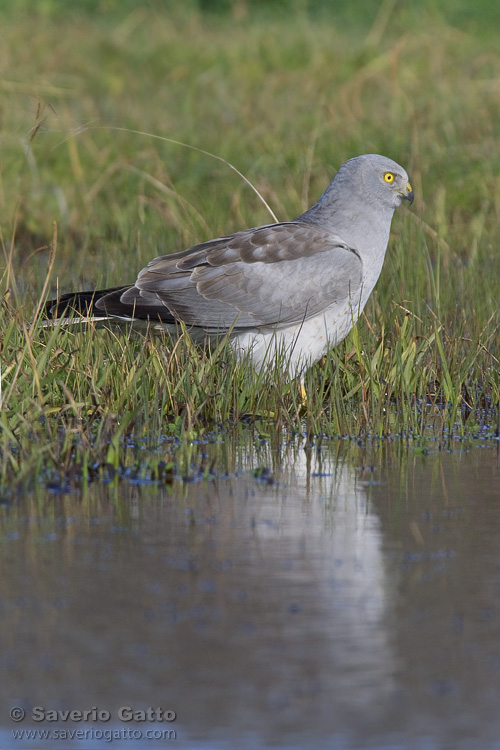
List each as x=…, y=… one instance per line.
x=347, y=599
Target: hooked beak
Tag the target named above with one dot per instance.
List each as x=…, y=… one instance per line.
x=408, y=193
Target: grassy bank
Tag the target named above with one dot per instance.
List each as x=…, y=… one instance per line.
x=285, y=98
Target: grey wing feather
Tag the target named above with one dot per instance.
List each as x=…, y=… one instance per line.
x=276, y=275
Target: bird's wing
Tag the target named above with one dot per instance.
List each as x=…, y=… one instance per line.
x=276, y=275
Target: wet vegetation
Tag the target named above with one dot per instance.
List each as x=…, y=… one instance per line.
x=95, y=181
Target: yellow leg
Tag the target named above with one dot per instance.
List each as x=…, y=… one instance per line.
x=302, y=393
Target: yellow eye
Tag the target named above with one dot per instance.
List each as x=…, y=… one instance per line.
x=389, y=177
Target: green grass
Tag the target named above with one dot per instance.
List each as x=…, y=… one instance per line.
x=285, y=98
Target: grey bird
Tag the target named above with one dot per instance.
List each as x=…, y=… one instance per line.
x=291, y=289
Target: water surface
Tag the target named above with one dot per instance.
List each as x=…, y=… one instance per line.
x=349, y=598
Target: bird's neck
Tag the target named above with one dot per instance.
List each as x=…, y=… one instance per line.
x=360, y=220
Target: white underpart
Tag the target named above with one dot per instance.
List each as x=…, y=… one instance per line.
x=301, y=345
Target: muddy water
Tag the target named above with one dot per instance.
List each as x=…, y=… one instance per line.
x=347, y=599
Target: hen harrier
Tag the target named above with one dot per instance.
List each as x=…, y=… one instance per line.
x=294, y=288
